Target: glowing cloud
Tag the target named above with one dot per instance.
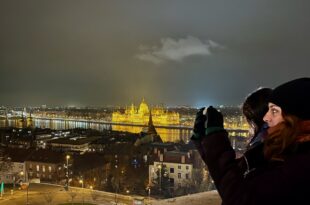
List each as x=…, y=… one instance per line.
x=177, y=49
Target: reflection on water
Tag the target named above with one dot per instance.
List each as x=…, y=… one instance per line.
x=54, y=124
x=167, y=135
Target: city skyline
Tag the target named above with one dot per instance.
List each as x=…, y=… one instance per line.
x=98, y=53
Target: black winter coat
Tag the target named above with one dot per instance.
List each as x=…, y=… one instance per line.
x=271, y=182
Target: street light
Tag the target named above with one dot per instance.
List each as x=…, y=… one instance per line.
x=116, y=178
x=27, y=184
x=14, y=180
x=67, y=174
x=159, y=167
x=82, y=182
x=149, y=193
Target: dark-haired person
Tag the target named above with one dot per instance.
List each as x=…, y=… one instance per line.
x=285, y=177
x=254, y=109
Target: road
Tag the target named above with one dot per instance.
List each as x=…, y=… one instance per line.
x=39, y=194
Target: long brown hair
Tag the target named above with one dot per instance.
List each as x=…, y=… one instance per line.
x=281, y=138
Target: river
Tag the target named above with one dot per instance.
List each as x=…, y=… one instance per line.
x=167, y=134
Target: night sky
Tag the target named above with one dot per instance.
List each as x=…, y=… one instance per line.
x=182, y=52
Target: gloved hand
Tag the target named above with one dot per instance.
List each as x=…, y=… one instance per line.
x=199, y=125
x=214, y=121
x=214, y=118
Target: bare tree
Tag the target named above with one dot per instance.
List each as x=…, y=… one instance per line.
x=72, y=194
x=5, y=163
x=6, y=167
x=48, y=196
x=94, y=195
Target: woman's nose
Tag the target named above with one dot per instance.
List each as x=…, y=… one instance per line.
x=266, y=118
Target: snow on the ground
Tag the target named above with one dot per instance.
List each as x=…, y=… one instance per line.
x=204, y=198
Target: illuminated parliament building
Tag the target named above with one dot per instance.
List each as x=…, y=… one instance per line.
x=140, y=116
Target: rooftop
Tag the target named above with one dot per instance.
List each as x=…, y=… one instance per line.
x=75, y=140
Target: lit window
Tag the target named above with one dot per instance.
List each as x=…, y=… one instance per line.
x=43, y=168
x=49, y=168
x=38, y=168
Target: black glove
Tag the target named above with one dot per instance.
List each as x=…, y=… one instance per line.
x=214, y=118
x=199, y=125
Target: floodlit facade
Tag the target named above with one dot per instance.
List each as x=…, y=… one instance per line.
x=180, y=174
x=140, y=116
x=177, y=165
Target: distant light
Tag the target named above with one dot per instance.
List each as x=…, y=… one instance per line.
x=202, y=103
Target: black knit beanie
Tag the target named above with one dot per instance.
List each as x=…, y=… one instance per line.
x=293, y=97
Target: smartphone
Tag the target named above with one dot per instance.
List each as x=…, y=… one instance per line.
x=204, y=112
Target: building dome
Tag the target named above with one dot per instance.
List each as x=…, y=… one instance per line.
x=140, y=116
x=143, y=108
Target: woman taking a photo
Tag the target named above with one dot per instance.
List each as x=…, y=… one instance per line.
x=285, y=177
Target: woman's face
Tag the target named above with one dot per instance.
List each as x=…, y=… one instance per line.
x=274, y=115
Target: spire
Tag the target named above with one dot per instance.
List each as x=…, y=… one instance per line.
x=151, y=128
